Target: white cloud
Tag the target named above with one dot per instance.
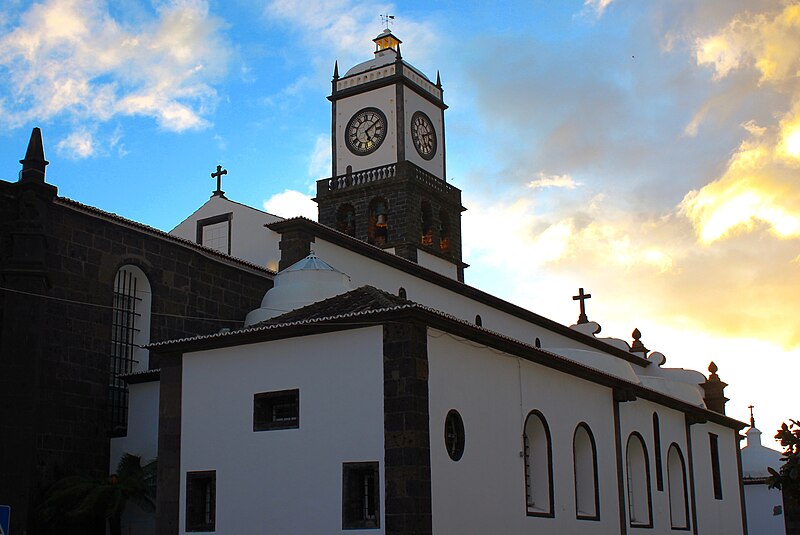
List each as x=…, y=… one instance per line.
x=291, y=203
x=319, y=164
x=71, y=57
x=553, y=181
x=598, y=6
x=79, y=144
x=347, y=28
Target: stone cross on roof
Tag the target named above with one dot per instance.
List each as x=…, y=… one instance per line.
x=582, y=297
x=218, y=176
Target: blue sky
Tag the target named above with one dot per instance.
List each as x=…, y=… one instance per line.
x=648, y=152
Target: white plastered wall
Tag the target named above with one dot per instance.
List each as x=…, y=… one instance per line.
x=283, y=481
x=484, y=492
x=384, y=99
x=716, y=517
x=761, y=503
x=141, y=440
x=439, y=265
x=638, y=416
x=249, y=239
x=363, y=270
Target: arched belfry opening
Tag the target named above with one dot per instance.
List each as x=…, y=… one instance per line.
x=346, y=219
x=444, y=232
x=426, y=219
x=378, y=232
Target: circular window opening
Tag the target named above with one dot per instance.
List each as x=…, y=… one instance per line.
x=454, y=435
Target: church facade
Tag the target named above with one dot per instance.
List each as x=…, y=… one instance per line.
x=370, y=388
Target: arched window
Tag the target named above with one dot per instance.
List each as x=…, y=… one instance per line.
x=378, y=232
x=538, y=465
x=402, y=293
x=426, y=219
x=640, y=507
x=587, y=495
x=346, y=219
x=678, y=495
x=130, y=330
x=444, y=231
x=478, y=320
x=657, y=446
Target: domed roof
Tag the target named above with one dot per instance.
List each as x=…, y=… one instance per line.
x=304, y=282
x=311, y=262
x=388, y=50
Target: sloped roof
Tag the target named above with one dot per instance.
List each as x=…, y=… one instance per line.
x=363, y=299
x=115, y=218
x=367, y=305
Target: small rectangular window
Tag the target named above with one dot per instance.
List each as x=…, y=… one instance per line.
x=360, y=496
x=276, y=410
x=201, y=501
x=215, y=232
x=715, y=473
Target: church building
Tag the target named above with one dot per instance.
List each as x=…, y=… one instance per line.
x=367, y=386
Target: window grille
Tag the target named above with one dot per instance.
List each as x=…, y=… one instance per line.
x=124, y=327
x=201, y=501
x=276, y=410
x=528, y=482
x=360, y=495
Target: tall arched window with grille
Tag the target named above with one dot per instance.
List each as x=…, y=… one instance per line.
x=637, y=468
x=678, y=495
x=130, y=330
x=538, y=456
x=587, y=495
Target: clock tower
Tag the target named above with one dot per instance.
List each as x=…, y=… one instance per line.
x=387, y=185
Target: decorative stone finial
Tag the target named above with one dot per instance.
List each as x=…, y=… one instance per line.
x=637, y=346
x=438, y=79
x=336, y=70
x=714, y=390
x=33, y=166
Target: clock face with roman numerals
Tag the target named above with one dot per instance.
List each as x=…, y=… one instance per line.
x=366, y=131
x=423, y=135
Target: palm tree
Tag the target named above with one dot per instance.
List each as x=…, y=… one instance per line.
x=87, y=499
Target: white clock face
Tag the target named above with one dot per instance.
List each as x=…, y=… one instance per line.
x=423, y=135
x=366, y=131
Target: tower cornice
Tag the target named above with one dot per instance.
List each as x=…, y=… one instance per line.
x=392, y=79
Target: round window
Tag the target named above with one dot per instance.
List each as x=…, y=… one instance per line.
x=454, y=435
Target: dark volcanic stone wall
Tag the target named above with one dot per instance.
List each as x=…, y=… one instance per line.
x=55, y=351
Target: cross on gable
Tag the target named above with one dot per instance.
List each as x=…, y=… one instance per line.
x=582, y=297
x=218, y=176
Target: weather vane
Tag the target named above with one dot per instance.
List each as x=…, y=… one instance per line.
x=387, y=19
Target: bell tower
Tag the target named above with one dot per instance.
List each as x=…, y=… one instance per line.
x=388, y=178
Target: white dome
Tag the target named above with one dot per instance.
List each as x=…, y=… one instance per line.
x=304, y=282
